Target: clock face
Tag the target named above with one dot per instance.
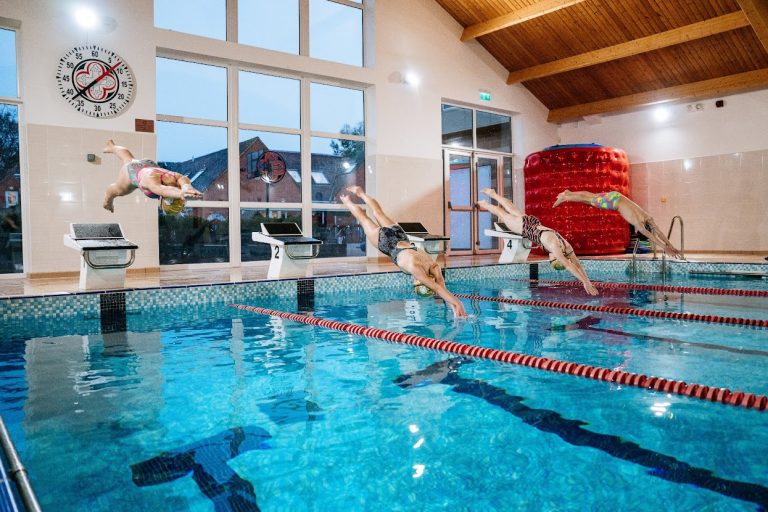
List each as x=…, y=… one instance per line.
x=95, y=81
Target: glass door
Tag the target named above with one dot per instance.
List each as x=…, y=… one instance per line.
x=466, y=173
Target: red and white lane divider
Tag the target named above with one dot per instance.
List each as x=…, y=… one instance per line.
x=712, y=394
x=657, y=288
x=622, y=311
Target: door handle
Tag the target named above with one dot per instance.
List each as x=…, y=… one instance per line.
x=450, y=206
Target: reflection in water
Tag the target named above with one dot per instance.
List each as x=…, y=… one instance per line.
x=573, y=432
x=207, y=461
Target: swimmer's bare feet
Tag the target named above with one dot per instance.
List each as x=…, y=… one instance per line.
x=109, y=204
x=355, y=189
x=109, y=148
x=483, y=204
x=488, y=191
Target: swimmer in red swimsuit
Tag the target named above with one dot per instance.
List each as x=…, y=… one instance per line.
x=392, y=241
x=628, y=209
x=561, y=255
x=154, y=181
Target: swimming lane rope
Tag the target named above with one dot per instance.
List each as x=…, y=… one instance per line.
x=622, y=311
x=658, y=288
x=712, y=394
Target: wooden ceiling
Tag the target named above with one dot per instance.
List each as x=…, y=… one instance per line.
x=583, y=58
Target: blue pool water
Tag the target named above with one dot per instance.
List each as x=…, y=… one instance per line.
x=221, y=409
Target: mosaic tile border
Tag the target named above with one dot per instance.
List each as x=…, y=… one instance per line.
x=88, y=304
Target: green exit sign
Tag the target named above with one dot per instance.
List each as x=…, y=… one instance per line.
x=485, y=96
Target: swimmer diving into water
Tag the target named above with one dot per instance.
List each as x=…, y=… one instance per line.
x=170, y=187
x=628, y=209
x=561, y=254
x=392, y=241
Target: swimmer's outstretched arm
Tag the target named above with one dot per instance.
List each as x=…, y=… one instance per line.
x=581, y=196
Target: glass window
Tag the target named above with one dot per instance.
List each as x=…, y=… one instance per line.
x=252, y=147
x=8, y=86
x=250, y=221
x=336, y=164
x=335, y=32
x=337, y=109
x=197, y=235
x=508, y=179
x=457, y=126
x=269, y=24
x=207, y=18
x=197, y=151
x=10, y=202
x=190, y=89
x=340, y=233
x=494, y=132
x=461, y=229
x=270, y=100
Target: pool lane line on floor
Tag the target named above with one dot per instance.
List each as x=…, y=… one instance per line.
x=677, y=387
x=657, y=288
x=696, y=317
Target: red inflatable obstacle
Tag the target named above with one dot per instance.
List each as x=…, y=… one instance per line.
x=590, y=167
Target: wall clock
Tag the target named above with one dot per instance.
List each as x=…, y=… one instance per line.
x=95, y=81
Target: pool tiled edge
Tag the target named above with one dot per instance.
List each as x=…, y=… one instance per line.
x=88, y=304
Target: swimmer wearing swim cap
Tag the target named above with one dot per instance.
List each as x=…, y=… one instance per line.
x=172, y=206
x=422, y=290
x=556, y=264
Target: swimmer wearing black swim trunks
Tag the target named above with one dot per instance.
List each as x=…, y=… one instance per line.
x=392, y=241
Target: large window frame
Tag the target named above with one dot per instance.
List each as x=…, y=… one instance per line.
x=16, y=101
x=233, y=125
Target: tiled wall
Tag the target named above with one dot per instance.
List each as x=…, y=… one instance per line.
x=723, y=199
x=89, y=304
x=65, y=188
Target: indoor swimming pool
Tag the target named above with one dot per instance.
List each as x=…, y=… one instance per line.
x=211, y=407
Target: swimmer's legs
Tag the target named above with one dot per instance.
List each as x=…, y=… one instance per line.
x=382, y=218
x=120, y=152
x=369, y=226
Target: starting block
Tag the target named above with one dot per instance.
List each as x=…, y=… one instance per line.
x=103, y=254
x=433, y=245
x=515, y=248
x=291, y=250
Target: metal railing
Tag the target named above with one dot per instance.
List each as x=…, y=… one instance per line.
x=17, y=471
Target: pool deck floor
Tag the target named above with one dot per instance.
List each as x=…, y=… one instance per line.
x=174, y=276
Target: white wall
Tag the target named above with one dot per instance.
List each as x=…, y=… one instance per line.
x=418, y=36
x=60, y=186
x=741, y=125
x=708, y=165
x=404, y=123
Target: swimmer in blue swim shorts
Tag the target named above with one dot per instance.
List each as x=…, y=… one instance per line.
x=392, y=241
x=628, y=209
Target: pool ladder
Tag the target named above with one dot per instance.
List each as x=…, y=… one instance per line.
x=17, y=472
x=663, y=254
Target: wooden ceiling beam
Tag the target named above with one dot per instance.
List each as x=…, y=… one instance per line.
x=740, y=82
x=757, y=14
x=514, y=18
x=672, y=37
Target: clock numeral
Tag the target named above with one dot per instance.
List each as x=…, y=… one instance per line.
x=65, y=78
x=70, y=65
x=70, y=91
x=119, y=71
x=78, y=55
x=124, y=84
x=80, y=103
x=94, y=53
x=113, y=105
x=121, y=96
x=97, y=108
